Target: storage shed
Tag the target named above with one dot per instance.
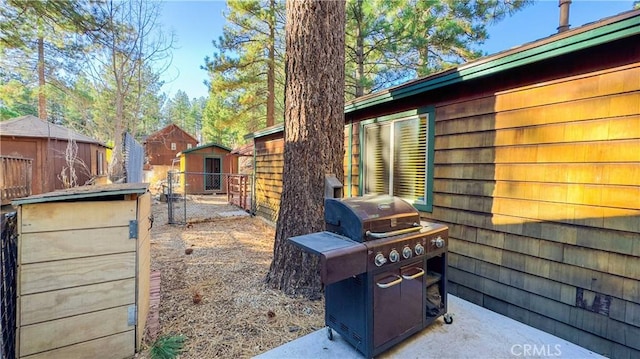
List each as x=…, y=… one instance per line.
x=532, y=158
x=83, y=272
x=45, y=143
x=206, y=168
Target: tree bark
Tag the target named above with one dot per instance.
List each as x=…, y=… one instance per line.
x=360, y=78
x=42, y=97
x=271, y=72
x=314, y=136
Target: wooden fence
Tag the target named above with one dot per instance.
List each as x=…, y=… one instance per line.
x=238, y=191
x=15, y=178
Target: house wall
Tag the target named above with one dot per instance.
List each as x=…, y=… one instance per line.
x=49, y=160
x=194, y=166
x=540, y=186
x=158, y=146
x=27, y=148
x=269, y=162
x=537, y=175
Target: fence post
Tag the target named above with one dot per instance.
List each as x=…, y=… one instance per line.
x=8, y=257
x=184, y=181
x=169, y=197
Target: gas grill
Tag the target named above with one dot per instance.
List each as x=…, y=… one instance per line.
x=383, y=268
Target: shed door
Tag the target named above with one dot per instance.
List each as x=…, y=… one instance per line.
x=212, y=177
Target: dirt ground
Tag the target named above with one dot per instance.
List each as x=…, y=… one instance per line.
x=216, y=295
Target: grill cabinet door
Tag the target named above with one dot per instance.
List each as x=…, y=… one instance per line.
x=411, y=292
x=397, y=302
x=386, y=297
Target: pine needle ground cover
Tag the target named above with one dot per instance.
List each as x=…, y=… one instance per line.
x=216, y=297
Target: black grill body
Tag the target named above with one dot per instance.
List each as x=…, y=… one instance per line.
x=374, y=319
x=374, y=298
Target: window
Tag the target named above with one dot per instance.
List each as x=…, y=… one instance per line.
x=173, y=146
x=100, y=163
x=397, y=159
x=189, y=145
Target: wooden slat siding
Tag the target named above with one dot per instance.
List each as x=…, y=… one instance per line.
x=37, y=338
x=579, y=173
x=578, y=152
x=618, y=128
x=617, y=241
x=544, y=297
x=452, y=117
x=59, y=216
x=115, y=346
x=574, y=193
x=62, y=303
x=557, y=211
x=46, y=276
x=51, y=246
x=143, y=270
x=549, y=177
x=268, y=171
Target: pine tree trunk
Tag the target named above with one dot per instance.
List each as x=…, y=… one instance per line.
x=271, y=72
x=314, y=136
x=359, y=51
x=42, y=97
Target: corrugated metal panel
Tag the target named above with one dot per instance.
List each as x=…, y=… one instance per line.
x=133, y=155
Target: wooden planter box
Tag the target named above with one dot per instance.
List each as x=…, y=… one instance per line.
x=83, y=272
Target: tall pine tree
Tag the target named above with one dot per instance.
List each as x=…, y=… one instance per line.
x=248, y=62
x=314, y=136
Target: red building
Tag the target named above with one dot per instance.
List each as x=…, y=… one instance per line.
x=161, y=147
x=34, y=159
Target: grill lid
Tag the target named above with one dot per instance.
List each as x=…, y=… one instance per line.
x=368, y=217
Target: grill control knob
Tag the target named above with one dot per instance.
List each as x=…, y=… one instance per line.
x=394, y=256
x=407, y=253
x=438, y=242
x=419, y=249
x=379, y=260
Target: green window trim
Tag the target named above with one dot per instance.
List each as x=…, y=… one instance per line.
x=429, y=112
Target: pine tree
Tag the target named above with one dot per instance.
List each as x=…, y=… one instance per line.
x=51, y=36
x=248, y=63
x=314, y=136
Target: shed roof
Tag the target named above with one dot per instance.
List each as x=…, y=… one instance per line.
x=244, y=150
x=31, y=126
x=160, y=134
x=593, y=34
x=82, y=192
x=206, y=146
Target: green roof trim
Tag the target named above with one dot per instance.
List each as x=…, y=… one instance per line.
x=206, y=145
x=265, y=132
x=83, y=192
x=621, y=26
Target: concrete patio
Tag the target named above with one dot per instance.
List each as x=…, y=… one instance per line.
x=475, y=333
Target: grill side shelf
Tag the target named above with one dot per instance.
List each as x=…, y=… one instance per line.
x=321, y=242
x=340, y=257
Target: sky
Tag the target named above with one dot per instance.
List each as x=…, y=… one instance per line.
x=196, y=24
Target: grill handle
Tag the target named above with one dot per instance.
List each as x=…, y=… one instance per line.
x=416, y=227
x=414, y=276
x=390, y=284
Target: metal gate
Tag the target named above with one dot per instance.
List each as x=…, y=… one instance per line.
x=176, y=198
x=195, y=196
x=8, y=258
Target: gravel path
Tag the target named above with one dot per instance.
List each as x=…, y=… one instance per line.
x=215, y=296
